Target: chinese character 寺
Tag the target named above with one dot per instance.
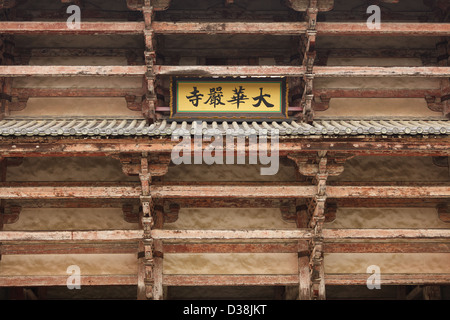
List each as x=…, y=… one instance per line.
x=261, y=98
x=195, y=97
x=238, y=96
x=215, y=96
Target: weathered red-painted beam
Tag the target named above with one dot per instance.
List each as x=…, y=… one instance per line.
x=352, y=71
x=231, y=247
x=290, y=71
x=56, y=147
x=288, y=234
x=383, y=247
x=341, y=234
x=388, y=191
x=360, y=279
x=91, y=235
x=377, y=93
x=272, y=28
x=69, y=190
x=68, y=248
x=230, y=280
x=78, y=92
x=86, y=280
x=89, y=28
x=387, y=29
x=71, y=71
x=232, y=191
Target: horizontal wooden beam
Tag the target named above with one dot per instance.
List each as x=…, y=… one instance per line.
x=342, y=234
x=377, y=93
x=284, y=247
x=85, y=280
x=91, y=235
x=289, y=71
x=68, y=248
x=69, y=190
x=89, y=28
x=40, y=190
x=78, y=92
x=273, y=28
x=359, y=279
x=71, y=71
x=383, y=247
x=419, y=191
x=226, y=280
x=387, y=29
x=230, y=280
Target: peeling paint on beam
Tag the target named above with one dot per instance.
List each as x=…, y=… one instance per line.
x=381, y=247
x=68, y=248
x=46, y=281
x=224, y=71
x=97, y=235
x=387, y=29
x=294, y=234
x=335, y=234
x=230, y=280
x=352, y=71
x=272, y=28
x=86, y=28
x=71, y=71
x=232, y=191
x=418, y=191
x=358, y=279
x=231, y=247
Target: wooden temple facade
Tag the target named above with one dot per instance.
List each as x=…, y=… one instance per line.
x=372, y=113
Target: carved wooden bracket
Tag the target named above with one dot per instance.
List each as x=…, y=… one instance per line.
x=158, y=5
x=308, y=165
x=302, y=5
x=443, y=212
x=18, y=103
x=11, y=214
x=435, y=104
x=158, y=164
x=134, y=103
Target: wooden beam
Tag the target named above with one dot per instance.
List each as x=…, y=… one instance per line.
x=334, y=234
x=71, y=71
x=68, y=248
x=40, y=190
x=360, y=279
x=272, y=28
x=275, y=28
x=57, y=147
x=92, y=235
x=69, y=190
x=78, y=92
x=382, y=247
x=86, y=28
x=291, y=71
x=230, y=280
x=390, y=29
x=86, y=280
x=230, y=247
x=388, y=191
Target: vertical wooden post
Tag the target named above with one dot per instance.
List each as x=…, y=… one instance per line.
x=303, y=257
